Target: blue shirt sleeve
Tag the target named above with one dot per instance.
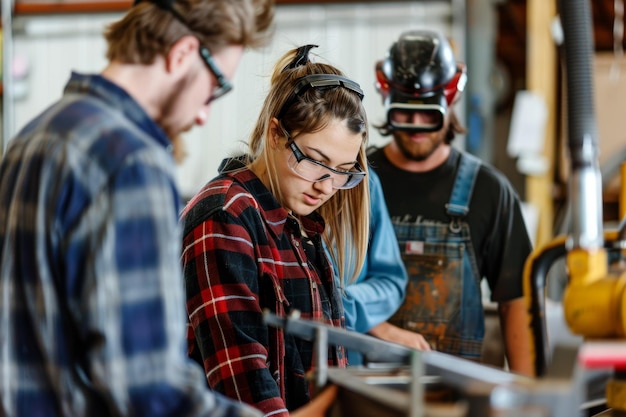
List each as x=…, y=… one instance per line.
x=380, y=288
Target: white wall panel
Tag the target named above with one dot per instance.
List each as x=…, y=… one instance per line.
x=53, y=46
x=349, y=36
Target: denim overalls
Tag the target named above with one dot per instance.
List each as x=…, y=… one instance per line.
x=443, y=300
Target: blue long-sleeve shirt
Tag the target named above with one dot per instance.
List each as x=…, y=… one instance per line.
x=89, y=218
x=380, y=288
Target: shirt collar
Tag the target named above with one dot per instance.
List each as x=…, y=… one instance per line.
x=273, y=213
x=115, y=96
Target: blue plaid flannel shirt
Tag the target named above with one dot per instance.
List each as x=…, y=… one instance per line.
x=88, y=202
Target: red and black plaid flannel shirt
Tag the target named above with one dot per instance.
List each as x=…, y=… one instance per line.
x=242, y=253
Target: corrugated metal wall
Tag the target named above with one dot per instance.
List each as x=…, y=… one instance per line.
x=350, y=36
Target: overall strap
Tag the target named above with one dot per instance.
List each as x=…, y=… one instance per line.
x=466, y=174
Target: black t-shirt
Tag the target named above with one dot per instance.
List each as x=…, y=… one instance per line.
x=497, y=228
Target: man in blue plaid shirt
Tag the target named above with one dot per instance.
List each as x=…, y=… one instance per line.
x=91, y=291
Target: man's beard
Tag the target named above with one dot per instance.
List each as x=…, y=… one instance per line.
x=174, y=127
x=179, y=150
x=421, y=153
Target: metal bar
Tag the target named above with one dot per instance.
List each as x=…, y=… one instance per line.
x=416, y=405
x=454, y=371
x=374, y=350
x=320, y=350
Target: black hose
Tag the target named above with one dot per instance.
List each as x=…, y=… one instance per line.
x=539, y=271
x=579, y=50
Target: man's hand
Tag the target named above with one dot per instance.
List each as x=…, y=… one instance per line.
x=395, y=334
x=319, y=405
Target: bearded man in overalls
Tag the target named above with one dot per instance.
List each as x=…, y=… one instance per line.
x=457, y=220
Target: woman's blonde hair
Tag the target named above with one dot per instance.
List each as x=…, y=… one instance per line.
x=347, y=213
x=150, y=28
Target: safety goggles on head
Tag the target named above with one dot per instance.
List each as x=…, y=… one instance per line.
x=315, y=171
x=319, y=81
x=223, y=84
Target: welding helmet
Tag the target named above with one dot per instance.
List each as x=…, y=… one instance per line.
x=419, y=74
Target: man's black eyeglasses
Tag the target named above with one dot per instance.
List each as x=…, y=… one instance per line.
x=223, y=85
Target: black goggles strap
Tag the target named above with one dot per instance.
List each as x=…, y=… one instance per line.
x=319, y=81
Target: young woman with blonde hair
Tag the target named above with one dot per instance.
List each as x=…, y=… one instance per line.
x=254, y=236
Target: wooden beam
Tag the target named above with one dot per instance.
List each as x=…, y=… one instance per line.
x=96, y=6
x=59, y=7
x=622, y=193
x=541, y=78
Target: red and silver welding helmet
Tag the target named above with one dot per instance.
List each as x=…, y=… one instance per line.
x=419, y=75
